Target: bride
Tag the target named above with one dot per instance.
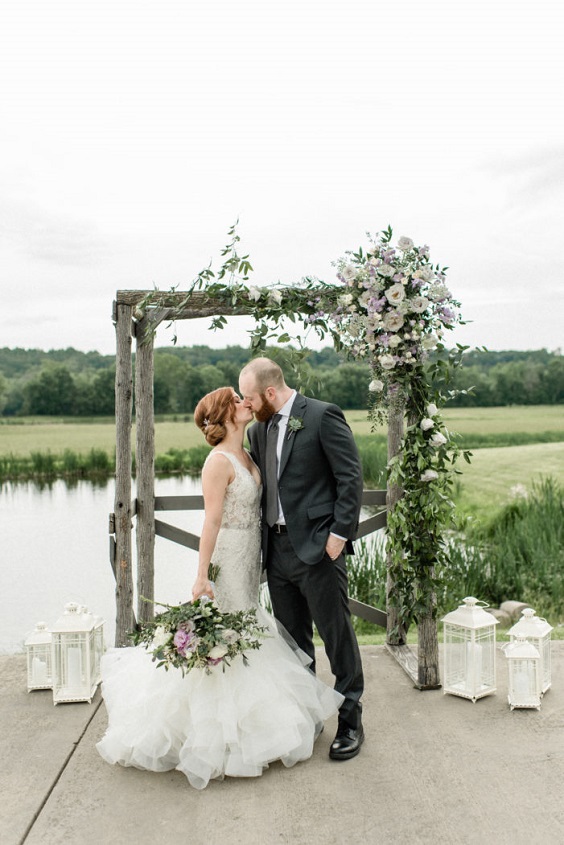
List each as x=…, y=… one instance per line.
x=233, y=722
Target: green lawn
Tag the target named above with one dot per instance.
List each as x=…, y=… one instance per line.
x=532, y=419
x=56, y=436
x=36, y=434
x=486, y=483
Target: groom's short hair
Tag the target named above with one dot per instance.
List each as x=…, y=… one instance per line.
x=266, y=373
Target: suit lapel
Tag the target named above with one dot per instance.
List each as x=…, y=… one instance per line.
x=299, y=408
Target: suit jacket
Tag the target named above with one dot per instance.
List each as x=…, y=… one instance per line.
x=319, y=480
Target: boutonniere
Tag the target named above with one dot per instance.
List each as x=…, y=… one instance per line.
x=294, y=424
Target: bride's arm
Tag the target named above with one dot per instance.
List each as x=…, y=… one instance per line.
x=216, y=476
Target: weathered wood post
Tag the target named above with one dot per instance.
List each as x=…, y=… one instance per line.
x=145, y=465
x=122, y=504
x=428, y=651
x=427, y=637
x=396, y=631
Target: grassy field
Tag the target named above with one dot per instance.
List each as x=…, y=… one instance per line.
x=530, y=419
x=488, y=481
x=485, y=483
x=57, y=435
x=26, y=435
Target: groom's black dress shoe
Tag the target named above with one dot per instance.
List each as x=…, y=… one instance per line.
x=347, y=742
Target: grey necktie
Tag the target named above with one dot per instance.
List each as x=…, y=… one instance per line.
x=271, y=471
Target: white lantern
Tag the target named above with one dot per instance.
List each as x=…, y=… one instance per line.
x=469, y=651
x=74, y=656
x=523, y=660
x=537, y=632
x=38, y=649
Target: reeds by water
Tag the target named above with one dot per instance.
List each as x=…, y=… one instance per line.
x=518, y=555
x=47, y=465
x=97, y=462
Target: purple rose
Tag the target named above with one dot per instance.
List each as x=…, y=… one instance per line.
x=181, y=639
x=185, y=641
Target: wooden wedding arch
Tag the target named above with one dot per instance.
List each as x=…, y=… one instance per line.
x=131, y=321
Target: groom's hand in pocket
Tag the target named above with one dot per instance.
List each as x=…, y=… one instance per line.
x=334, y=546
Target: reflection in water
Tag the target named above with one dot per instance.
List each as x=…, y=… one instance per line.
x=55, y=549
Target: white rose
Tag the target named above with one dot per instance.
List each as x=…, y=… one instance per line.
x=230, y=636
x=346, y=299
x=387, y=362
x=395, y=294
x=218, y=651
x=432, y=409
x=429, y=475
x=349, y=272
x=394, y=341
x=426, y=424
x=376, y=386
x=275, y=296
x=374, y=261
x=386, y=270
x=439, y=292
x=254, y=294
x=393, y=321
x=438, y=439
x=161, y=636
x=419, y=304
x=405, y=244
x=425, y=274
x=429, y=341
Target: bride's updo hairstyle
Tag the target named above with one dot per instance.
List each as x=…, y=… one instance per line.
x=211, y=413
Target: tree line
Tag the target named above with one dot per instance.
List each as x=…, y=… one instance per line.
x=72, y=383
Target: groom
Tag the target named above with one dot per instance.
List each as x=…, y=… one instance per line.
x=312, y=488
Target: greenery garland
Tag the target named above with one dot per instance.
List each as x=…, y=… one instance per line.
x=390, y=307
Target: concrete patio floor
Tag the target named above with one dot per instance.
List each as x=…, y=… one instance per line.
x=434, y=769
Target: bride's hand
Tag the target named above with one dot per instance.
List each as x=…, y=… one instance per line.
x=202, y=587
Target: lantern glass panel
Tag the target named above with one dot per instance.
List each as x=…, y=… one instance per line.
x=543, y=647
x=524, y=667
x=39, y=664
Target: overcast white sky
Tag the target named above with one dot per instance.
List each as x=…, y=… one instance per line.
x=134, y=133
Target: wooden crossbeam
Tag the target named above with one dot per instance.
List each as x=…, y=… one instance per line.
x=177, y=535
x=373, y=523
x=179, y=503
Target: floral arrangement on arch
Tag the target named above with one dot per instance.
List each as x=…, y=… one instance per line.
x=198, y=635
x=395, y=309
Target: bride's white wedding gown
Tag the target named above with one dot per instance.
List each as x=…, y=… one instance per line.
x=233, y=722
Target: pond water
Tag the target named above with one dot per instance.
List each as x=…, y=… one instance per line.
x=55, y=549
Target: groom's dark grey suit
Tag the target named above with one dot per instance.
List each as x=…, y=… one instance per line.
x=320, y=489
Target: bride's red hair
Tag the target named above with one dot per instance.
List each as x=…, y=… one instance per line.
x=211, y=413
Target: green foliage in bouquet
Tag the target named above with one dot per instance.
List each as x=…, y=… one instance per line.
x=199, y=636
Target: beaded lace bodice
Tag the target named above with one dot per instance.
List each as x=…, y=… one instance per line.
x=237, y=548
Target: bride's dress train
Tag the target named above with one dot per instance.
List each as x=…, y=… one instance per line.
x=233, y=722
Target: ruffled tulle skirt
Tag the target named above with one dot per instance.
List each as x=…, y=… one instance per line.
x=233, y=722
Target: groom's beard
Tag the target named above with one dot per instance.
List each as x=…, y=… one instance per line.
x=265, y=411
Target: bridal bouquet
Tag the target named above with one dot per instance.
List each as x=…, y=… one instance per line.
x=199, y=635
